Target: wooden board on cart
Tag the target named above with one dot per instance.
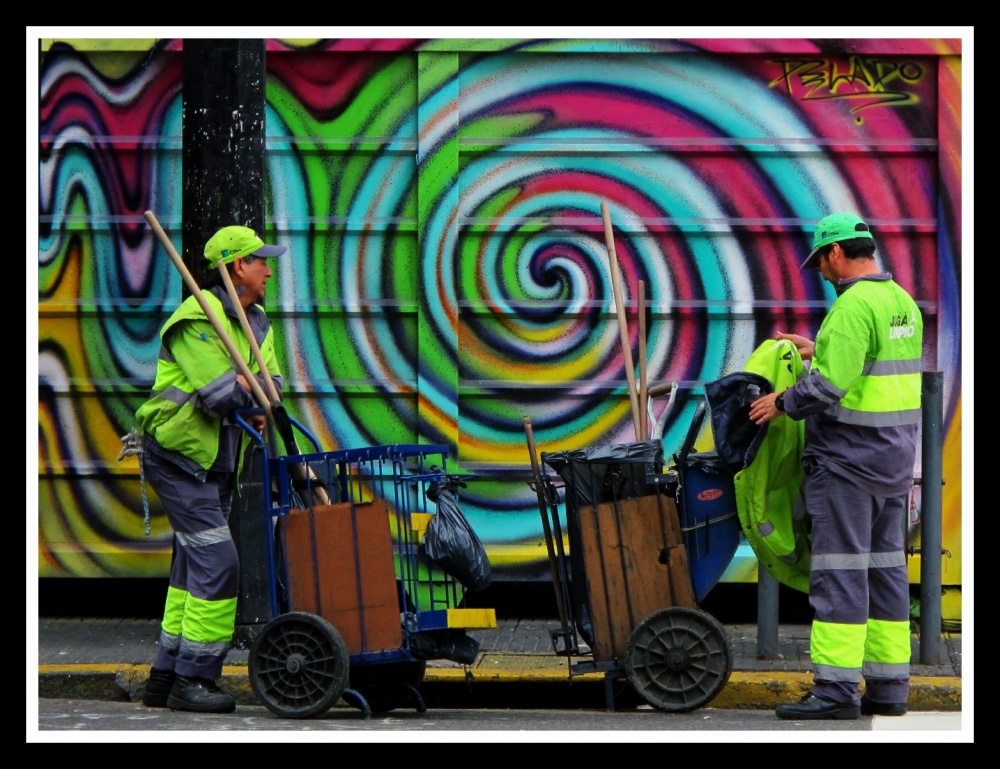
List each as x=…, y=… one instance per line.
x=355, y=578
x=635, y=563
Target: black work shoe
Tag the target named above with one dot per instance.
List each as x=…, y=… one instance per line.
x=158, y=688
x=201, y=695
x=813, y=707
x=869, y=708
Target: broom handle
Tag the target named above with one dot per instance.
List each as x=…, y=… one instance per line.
x=189, y=280
x=245, y=323
x=643, y=394
x=616, y=284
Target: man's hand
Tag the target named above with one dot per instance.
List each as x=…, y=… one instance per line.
x=802, y=344
x=763, y=409
x=258, y=422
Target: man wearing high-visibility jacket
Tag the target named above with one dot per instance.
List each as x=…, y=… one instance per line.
x=190, y=452
x=861, y=401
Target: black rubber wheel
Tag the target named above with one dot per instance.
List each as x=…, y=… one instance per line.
x=390, y=685
x=678, y=659
x=298, y=665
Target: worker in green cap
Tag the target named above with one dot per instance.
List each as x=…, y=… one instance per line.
x=860, y=399
x=190, y=452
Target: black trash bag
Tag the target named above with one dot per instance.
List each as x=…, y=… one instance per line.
x=606, y=473
x=450, y=541
x=447, y=644
x=737, y=437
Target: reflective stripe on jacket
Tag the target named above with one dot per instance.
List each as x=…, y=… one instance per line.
x=867, y=356
x=195, y=385
x=861, y=397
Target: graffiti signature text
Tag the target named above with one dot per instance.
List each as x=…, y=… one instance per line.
x=869, y=81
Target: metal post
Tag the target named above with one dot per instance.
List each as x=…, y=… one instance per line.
x=767, y=615
x=931, y=480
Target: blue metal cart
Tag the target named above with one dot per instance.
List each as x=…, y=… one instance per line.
x=357, y=608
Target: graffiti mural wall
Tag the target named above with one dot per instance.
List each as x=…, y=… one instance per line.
x=448, y=273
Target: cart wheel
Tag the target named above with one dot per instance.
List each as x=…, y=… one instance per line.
x=298, y=665
x=678, y=659
x=390, y=685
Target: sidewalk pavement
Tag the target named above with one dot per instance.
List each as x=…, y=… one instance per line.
x=110, y=658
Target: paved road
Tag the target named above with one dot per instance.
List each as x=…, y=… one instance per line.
x=77, y=720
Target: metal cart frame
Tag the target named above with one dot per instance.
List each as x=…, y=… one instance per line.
x=357, y=608
x=625, y=587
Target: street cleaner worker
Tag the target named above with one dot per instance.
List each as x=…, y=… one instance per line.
x=190, y=454
x=860, y=398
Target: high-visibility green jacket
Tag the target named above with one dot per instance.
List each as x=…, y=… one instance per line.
x=861, y=398
x=767, y=489
x=861, y=395
x=195, y=387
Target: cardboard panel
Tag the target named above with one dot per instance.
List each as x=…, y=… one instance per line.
x=348, y=578
x=635, y=564
x=680, y=578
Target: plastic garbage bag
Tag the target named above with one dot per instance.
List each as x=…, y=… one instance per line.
x=607, y=472
x=447, y=644
x=737, y=437
x=450, y=541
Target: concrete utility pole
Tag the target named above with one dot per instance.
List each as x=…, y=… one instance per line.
x=223, y=154
x=223, y=141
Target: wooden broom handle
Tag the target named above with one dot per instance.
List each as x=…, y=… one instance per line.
x=643, y=394
x=189, y=280
x=626, y=343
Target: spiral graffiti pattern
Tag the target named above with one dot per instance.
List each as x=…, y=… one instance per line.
x=448, y=272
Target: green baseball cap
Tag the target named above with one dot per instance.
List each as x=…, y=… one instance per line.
x=840, y=226
x=235, y=242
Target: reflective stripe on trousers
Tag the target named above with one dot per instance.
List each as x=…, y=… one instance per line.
x=859, y=590
x=200, y=612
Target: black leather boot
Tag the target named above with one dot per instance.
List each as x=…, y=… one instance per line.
x=812, y=707
x=870, y=708
x=201, y=695
x=158, y=688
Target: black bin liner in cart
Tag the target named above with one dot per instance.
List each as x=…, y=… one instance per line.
x=593, y=476
x=450, y=541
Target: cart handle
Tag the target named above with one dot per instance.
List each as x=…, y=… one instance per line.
x=238, y=414
x=692, y=433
